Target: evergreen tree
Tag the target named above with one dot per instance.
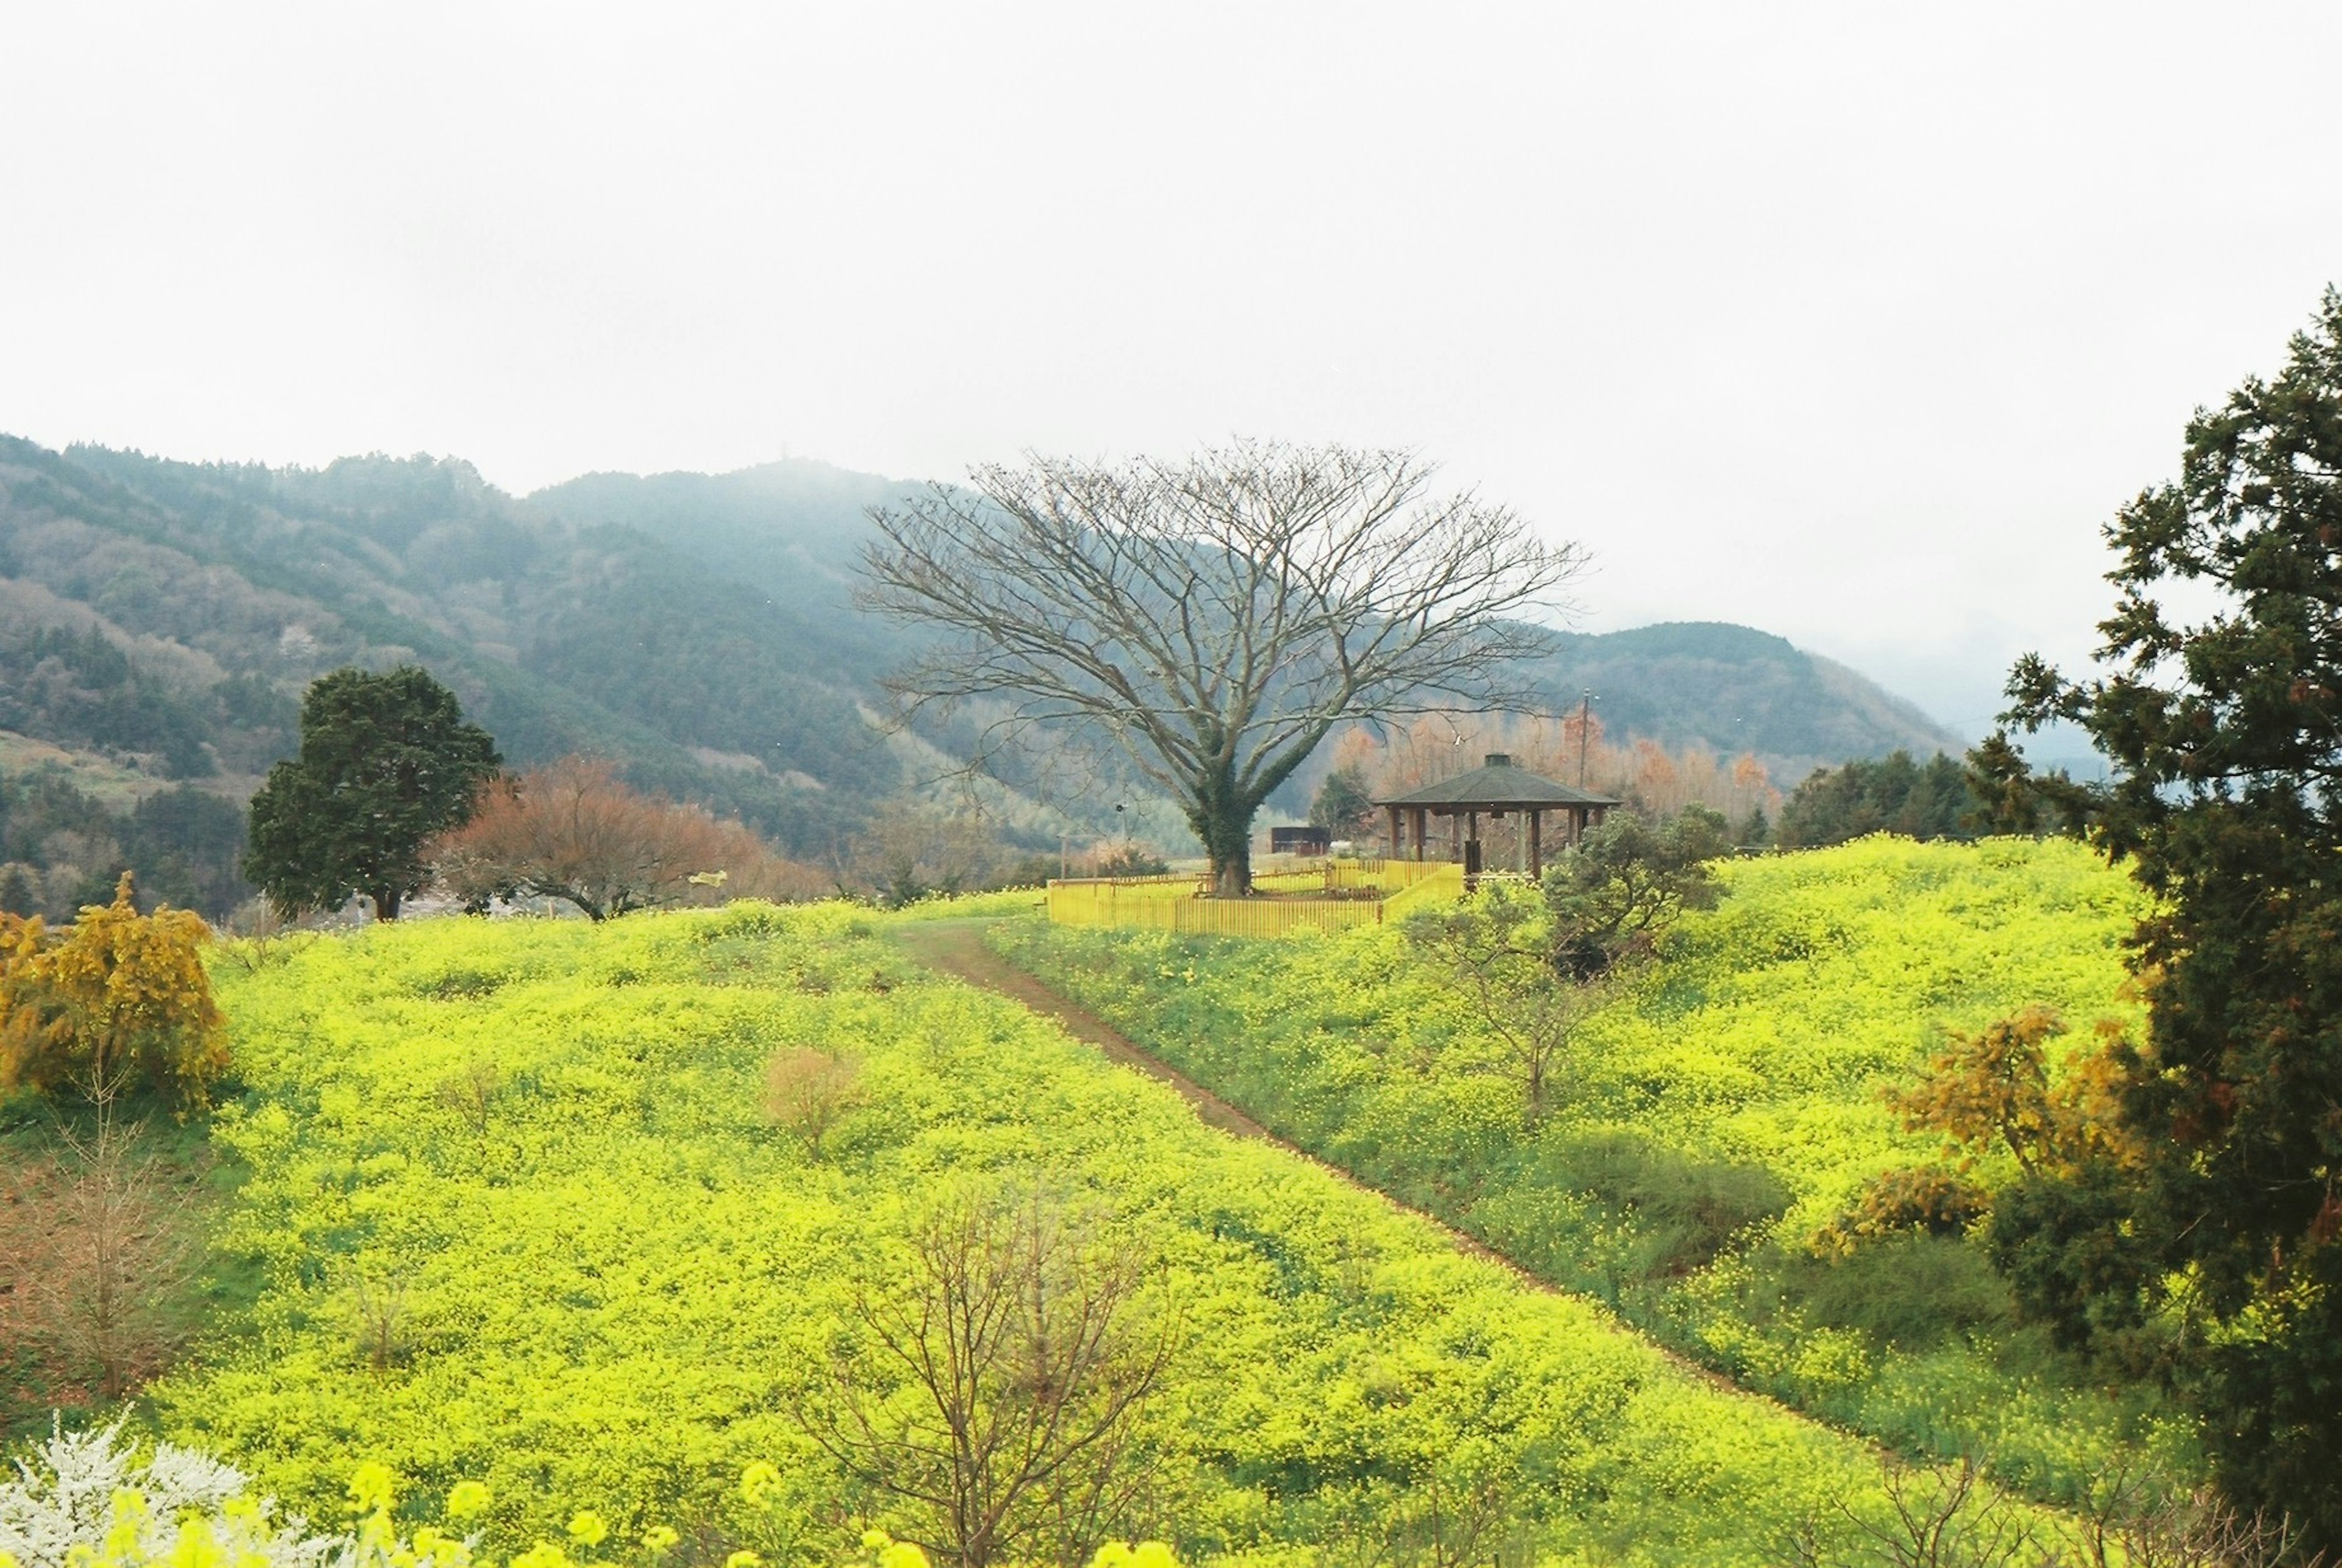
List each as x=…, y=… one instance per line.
x=2227, y=735
x=1890, y=794
x=386, y=762
x=1342, y=803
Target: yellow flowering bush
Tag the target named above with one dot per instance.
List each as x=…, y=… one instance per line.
x=119, y=996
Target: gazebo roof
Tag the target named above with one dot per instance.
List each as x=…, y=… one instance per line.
x=1497, y=785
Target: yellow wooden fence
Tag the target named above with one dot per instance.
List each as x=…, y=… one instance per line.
x=1352, y=892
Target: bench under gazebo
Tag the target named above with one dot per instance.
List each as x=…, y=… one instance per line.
x=1496, y=788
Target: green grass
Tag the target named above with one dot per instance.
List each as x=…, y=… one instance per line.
x=1708, y=1123
x=605, y=1293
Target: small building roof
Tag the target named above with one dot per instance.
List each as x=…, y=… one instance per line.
x=1497, y=785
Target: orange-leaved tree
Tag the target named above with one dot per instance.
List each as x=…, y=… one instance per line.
x=573, y=830
x=120, y=997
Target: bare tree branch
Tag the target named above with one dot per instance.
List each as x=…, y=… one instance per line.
x=1213, y=618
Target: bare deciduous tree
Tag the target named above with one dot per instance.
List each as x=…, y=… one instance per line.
x=998, y=1388
x=1216, y=618
x=908, y=851
x=575, y=832
x=806, y=1091
x=1498, y=949
x=106, y=1246
x=472, y=1092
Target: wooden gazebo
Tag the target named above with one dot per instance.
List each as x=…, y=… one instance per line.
x=1496, y=787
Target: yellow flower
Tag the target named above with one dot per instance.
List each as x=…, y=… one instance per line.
x=659, y=1538
x=129, y=1523
x=1145, y=1554
x=744, y=1560
x=902, y=1554
x=543, y=1554
x=756, y=1482
x=466, y=1500
x=586, y=1529
x=875, y=1540
x=372, y=1487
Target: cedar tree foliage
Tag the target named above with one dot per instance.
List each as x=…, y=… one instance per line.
x=2221, y=707
x=386, y=762
x=1213, y=617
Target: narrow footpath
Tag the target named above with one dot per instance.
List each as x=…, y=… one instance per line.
x=957, y=948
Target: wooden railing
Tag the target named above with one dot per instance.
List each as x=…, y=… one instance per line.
x=1348, y=892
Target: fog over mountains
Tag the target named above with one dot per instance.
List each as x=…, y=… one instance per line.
x=158, y=621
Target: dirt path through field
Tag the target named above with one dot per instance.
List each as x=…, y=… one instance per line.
x=957, y=948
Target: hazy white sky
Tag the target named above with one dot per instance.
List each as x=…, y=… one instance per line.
x=1849, y=321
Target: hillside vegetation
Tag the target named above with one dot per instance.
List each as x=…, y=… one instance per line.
x=1706, y=1126
x=1734, y=689
x=523, y=1220
x=162, y=618
x=169, y=614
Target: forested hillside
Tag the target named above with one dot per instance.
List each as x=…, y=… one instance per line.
x=1737, y=690
x=158, y=621
x=165, y=617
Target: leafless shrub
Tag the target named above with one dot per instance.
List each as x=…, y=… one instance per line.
x=1933, y=1516
x=381, y=1313
x=807, y=1091
x=472, y=1092
x=259, y=938
x=2133, y=1515
x=997, y=1388
x=115, y=1251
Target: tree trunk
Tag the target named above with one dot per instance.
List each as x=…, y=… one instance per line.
x=1232, y=873
x=385, y=903
x=1224, y=822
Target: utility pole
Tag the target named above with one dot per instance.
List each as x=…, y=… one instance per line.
x=1584, y=711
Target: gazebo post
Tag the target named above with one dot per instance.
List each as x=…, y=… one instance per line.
x=1499, y=788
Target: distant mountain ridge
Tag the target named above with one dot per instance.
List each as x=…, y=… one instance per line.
x=1737, y=690
x=699, y=629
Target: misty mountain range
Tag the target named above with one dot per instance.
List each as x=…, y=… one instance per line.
x=158, y=621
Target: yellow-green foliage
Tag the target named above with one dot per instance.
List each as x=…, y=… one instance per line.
x=596, y=1294
x=121, y=997
x=1705, y=1125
